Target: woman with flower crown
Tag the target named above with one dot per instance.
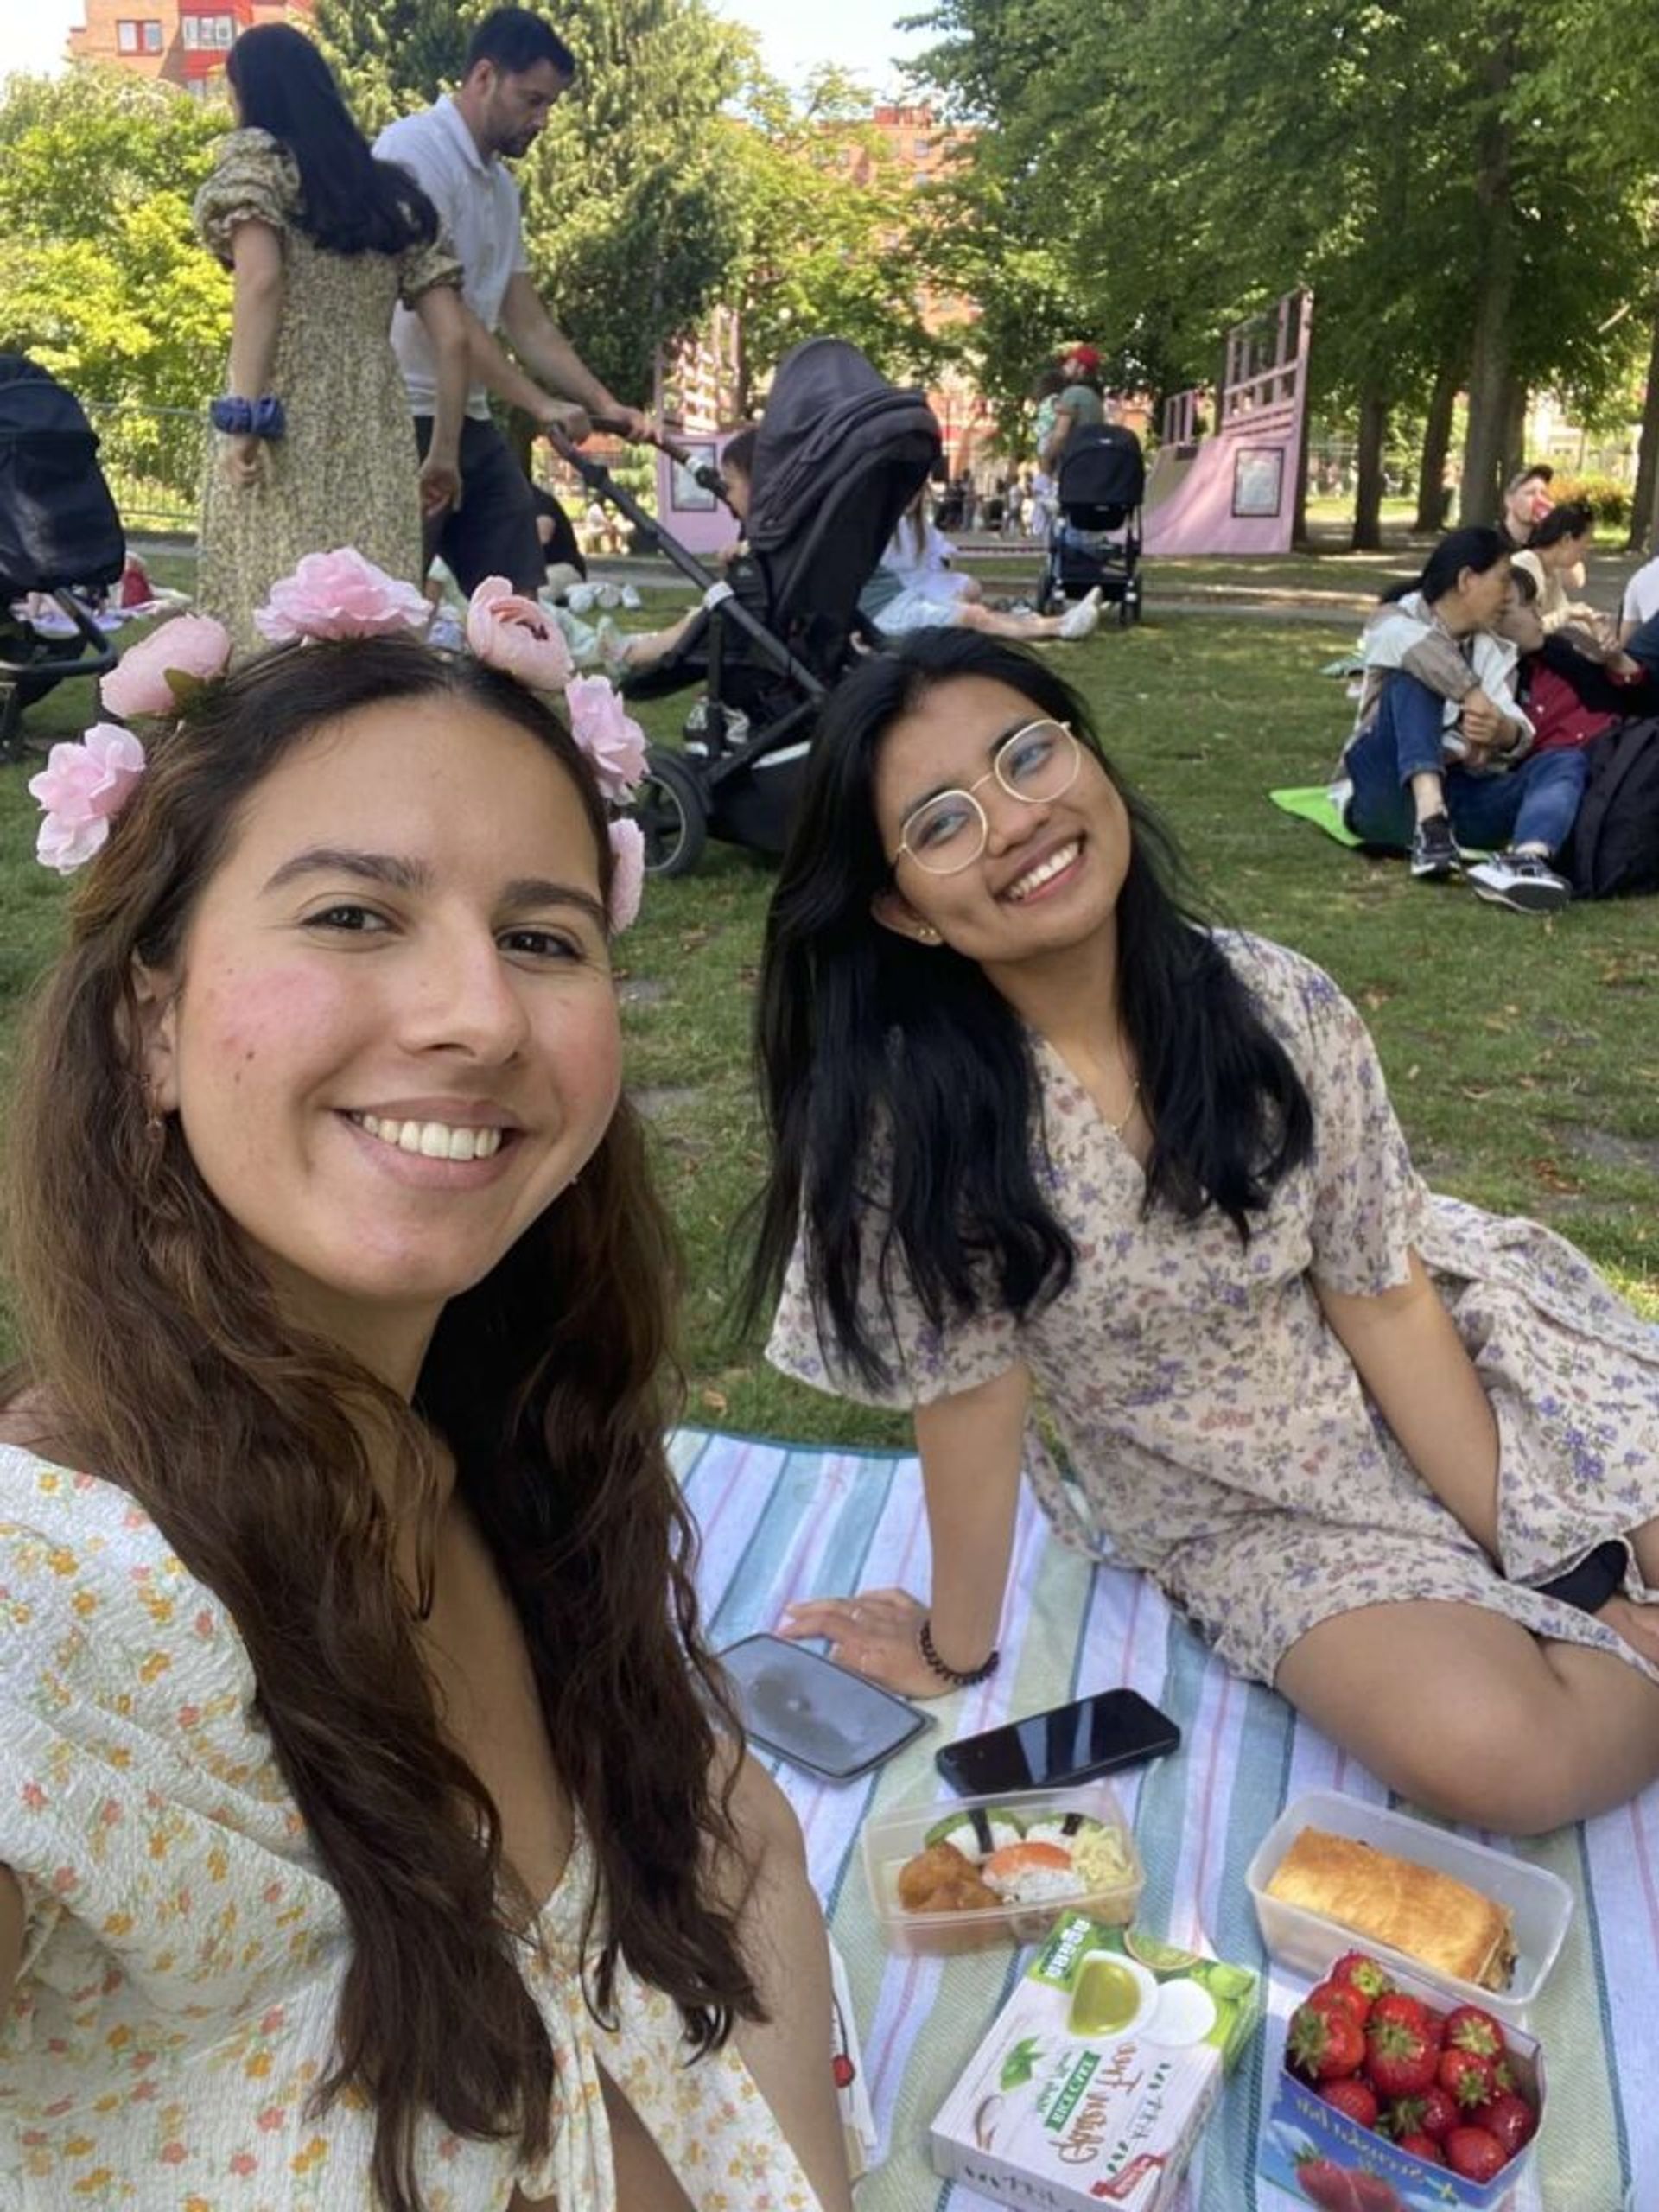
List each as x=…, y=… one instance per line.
x=374, y=1832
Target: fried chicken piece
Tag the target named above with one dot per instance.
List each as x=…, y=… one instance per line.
x=942, y=1879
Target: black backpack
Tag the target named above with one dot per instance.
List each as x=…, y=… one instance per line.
x=58, y=523
x=1613, y=852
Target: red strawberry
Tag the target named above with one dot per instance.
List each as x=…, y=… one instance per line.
x=1468, y=2028
x=1409, y=2012
x=1466, y=2077
x=1511, y=2119
x=1324, y=2045
x=1399, y=2060
x=1328, y=2184
x=1343, y=1996
x=1434, y=2023
x=1354, y=2098
x=1431, y=2115
x=1476, y=2154
x=1373, y=2193
x=1422, y=2146
x=1364, y=1974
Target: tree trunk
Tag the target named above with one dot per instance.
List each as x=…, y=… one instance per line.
x=1644, y=499
x=1514, y=456
x=1368, y=472
x=1437, y=443
x=1490, y=381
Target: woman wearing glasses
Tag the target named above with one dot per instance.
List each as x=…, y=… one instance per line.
x=1040, y=1133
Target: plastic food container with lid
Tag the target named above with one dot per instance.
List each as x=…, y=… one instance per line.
x=1086, y=1816
x=1539, y=1903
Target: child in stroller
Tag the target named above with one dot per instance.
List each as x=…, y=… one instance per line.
x=837, y=460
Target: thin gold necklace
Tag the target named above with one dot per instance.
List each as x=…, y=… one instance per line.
x=1116, y=1128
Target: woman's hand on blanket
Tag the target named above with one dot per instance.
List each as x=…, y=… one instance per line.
x=875, y=1634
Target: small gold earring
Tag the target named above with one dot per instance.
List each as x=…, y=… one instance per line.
x=926, y=934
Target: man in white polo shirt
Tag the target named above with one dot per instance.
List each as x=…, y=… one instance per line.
x=516, y=67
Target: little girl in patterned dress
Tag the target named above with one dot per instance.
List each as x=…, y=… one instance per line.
x=373, y=1836
x=1038, y=1136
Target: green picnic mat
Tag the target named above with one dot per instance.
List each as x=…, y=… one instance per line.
x=1311, y=802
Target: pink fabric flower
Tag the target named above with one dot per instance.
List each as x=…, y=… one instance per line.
x=339, y=594
x=192, y=647
x=514, y=634
x=612, y=740
x=82, y=788
x=628, y=877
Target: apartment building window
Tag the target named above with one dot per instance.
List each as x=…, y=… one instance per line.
x=152, y=38
x=126, y=38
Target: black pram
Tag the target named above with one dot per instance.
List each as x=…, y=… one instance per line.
x=1095, y=541
x=839, y=455
x=60, y=534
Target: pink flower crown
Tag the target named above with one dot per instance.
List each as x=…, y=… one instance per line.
x=84, y=785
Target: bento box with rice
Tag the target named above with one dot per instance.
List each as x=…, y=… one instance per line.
x=963, y=1874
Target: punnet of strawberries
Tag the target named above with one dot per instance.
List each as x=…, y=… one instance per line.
x=1440, y=2083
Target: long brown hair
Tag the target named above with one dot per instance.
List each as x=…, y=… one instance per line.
x=158, y=1347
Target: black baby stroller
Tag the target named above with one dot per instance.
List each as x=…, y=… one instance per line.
x=1095, y=543
x=59, y=534
x=839, y=455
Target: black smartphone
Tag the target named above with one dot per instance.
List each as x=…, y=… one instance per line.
x=1112, y=1728
x=813, y=1712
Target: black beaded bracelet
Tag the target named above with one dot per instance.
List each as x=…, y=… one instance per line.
x=959, y=1678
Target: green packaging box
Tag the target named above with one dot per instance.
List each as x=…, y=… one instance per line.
x=1099, y=2074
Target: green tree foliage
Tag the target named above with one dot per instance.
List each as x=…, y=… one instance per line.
x=101, y=277
x=1463, y=189
x=830, y=221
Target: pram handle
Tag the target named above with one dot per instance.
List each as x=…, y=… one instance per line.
x=708, y=477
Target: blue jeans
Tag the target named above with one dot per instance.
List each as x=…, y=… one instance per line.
x=1533, y=804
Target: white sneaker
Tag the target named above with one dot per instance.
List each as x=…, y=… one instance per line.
x=1080, y=621
x=1524, y=881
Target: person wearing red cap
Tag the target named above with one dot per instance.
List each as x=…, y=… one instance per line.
x=1081, y=402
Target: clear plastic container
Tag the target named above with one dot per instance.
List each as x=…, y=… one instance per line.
x=1540, y=1903
x=891, y=1841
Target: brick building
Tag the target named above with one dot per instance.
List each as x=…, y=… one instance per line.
x=185, y=41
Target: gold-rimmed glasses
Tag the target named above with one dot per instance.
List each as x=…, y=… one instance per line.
x=1035, y=763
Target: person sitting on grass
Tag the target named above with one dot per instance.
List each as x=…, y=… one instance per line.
x=1421, y=761
x=915, y=588
x=1554, y=558
x=375, y=1833
x=1042, y=1134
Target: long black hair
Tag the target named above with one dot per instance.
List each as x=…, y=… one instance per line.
x=350, y=203
x=865, y=1039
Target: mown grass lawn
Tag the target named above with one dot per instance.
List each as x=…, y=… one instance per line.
x=1523, y=1055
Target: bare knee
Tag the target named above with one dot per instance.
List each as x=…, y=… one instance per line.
x=1501, y=1761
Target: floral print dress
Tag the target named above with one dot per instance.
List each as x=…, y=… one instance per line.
x=183, y=1948
x=345, y=472
x=1215, y=1431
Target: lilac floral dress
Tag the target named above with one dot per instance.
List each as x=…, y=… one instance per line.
x=1215, y=1432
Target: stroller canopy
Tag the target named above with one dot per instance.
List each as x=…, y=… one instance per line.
x=58, y=523
x=840, y=453
x=1103, y=466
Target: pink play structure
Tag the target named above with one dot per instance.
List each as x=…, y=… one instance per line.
x=1234, y=490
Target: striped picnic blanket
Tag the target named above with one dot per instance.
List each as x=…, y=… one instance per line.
x=781, y=1522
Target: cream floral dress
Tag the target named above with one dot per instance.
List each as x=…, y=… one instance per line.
x=183, y=1951
x=1215, y=1431
x=345, y=472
